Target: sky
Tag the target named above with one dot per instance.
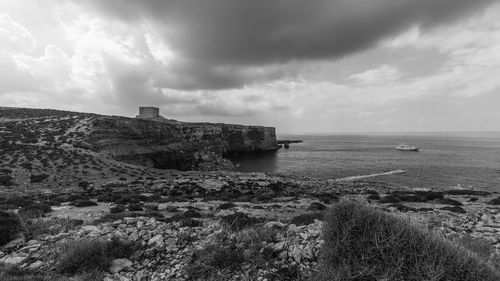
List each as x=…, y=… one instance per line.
x=316, y=66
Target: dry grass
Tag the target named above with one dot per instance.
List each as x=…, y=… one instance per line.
x=362, y=243
x=89, y=255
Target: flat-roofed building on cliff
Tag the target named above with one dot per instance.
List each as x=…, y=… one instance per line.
x=148, y=112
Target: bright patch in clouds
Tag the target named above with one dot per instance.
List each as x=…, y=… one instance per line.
x=273, y=70
x=382, y=75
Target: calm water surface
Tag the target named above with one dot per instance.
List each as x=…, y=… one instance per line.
x=445, y=159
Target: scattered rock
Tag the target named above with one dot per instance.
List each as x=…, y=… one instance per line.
x=118, y=265
x=158, y=240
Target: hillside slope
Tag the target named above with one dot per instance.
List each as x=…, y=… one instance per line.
x=68, y=146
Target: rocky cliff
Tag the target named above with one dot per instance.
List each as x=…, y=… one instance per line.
x=176, y=145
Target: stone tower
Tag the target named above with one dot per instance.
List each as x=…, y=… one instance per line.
x=148, y=112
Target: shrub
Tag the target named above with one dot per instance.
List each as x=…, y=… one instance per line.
x=38, y=178
x=364, y=243
x=83, y=255
x=134, y=207
x=36, y=227
x=117, y=248
x=125, y=199
x=327, y=198
x=286, y=272
x=225, y=206
x=6, y=180
x=11, y=227
x=83, y=203
x=35, y=210
x=83, y=184
x=255, y=240
x=454, y=209
x=18, y=201
x=117, y=209
x=306, y=219
x=191, y=214
x=316, y=206
x=189, y=222
x=448, y=201
x=495, y=201
x=7, y=207
x=92, y=275
x=88, y=255
x=467, y=192
x=238, y=221
x=14, y=273
x=210, y=262
x=26, y=165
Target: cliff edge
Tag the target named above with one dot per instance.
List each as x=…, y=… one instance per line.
x=156, y=142
x=176, y=145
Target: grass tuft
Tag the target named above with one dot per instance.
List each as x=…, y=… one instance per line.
x=362, y=243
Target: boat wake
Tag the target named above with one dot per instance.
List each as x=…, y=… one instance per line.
x=360, y=177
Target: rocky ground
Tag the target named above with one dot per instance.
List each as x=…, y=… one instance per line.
x=273, y=223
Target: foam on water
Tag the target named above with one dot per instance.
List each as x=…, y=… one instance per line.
x=360, y=177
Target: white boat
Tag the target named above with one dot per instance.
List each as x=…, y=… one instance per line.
x=406, y=147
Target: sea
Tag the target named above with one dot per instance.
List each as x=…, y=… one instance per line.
x=469, y=159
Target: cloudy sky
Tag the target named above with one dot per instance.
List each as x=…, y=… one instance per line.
x=301, y=66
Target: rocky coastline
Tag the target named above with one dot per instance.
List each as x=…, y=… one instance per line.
x=73, y=186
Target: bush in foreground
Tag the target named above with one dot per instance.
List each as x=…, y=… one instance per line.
x=362, y=243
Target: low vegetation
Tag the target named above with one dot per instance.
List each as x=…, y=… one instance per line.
x=35, y=210
x=213, y=262
x=238, y=221
x=362, y=243
x=10, y=228
x=305, y=219
x=14, y=273
x=230, y=250
x=34, y=227
x=88, y=255
x=495, y=201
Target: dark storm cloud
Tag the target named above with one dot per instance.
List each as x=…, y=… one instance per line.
x=215, y=35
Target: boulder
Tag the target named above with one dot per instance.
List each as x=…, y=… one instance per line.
x=118, y=265
x=158, y=240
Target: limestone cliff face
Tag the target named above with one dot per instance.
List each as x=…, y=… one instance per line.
x=176, y=145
